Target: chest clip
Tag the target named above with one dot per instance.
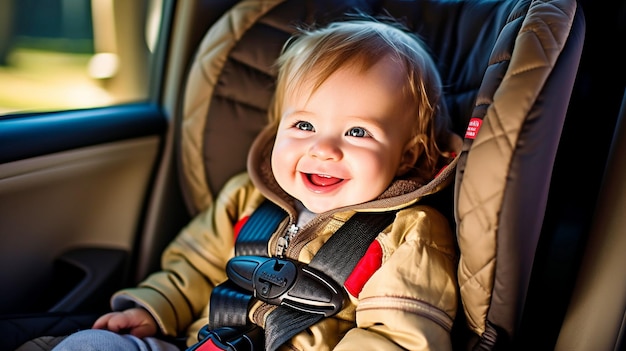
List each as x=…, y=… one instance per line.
x=287, y=282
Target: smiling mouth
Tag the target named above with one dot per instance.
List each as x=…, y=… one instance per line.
x=323, y=180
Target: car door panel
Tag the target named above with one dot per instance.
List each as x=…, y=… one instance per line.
x=90, y=196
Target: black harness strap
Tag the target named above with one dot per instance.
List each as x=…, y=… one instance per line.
x=337, y=258
x=262, y=223
x=229, y=302
x=229, y=306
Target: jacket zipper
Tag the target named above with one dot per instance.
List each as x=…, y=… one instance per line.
x=283, y=241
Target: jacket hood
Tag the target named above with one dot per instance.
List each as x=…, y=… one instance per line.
x=401, y=193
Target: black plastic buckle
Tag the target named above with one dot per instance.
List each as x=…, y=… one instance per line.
x=248, y=338
x=286, y=282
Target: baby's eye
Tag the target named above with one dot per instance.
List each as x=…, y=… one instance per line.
x=304, y=125
x=357, y=132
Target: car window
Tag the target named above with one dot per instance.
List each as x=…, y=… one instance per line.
x=68, y=54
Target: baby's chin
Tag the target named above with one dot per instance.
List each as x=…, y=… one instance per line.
x=318, y=206
x=315, y=208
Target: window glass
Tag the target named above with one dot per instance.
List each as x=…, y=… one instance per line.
x=67, y=54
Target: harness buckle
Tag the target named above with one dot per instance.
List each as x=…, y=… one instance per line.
x=287, y=282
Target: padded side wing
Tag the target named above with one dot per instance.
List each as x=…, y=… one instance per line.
x=506, y=163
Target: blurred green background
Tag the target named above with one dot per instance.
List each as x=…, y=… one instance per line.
x=45, y=50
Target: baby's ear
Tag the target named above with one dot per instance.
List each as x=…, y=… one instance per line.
x=411, y=152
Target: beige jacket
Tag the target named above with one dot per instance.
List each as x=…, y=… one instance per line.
x=408, y=303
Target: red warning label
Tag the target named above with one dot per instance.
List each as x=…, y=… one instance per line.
x=473, y=127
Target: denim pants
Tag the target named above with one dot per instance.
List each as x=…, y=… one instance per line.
x=104, y=340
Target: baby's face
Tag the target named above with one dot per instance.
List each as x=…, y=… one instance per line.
x=343, y=144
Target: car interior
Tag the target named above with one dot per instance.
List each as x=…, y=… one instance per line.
x=537, y=203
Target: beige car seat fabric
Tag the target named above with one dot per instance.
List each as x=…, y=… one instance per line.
x=207, y=66
x=487, y=167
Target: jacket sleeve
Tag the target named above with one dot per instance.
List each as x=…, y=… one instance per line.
x=411, y=301
x=193, y=263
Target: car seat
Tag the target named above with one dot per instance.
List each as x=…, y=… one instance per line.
x=508, y=69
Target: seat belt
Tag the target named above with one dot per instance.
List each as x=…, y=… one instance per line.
x=229, y=303
x=248, y=276
x=337, y=259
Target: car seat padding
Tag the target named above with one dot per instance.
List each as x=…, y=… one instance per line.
x=489, y=168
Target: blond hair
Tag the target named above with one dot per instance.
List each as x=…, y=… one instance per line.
x=315, y=54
